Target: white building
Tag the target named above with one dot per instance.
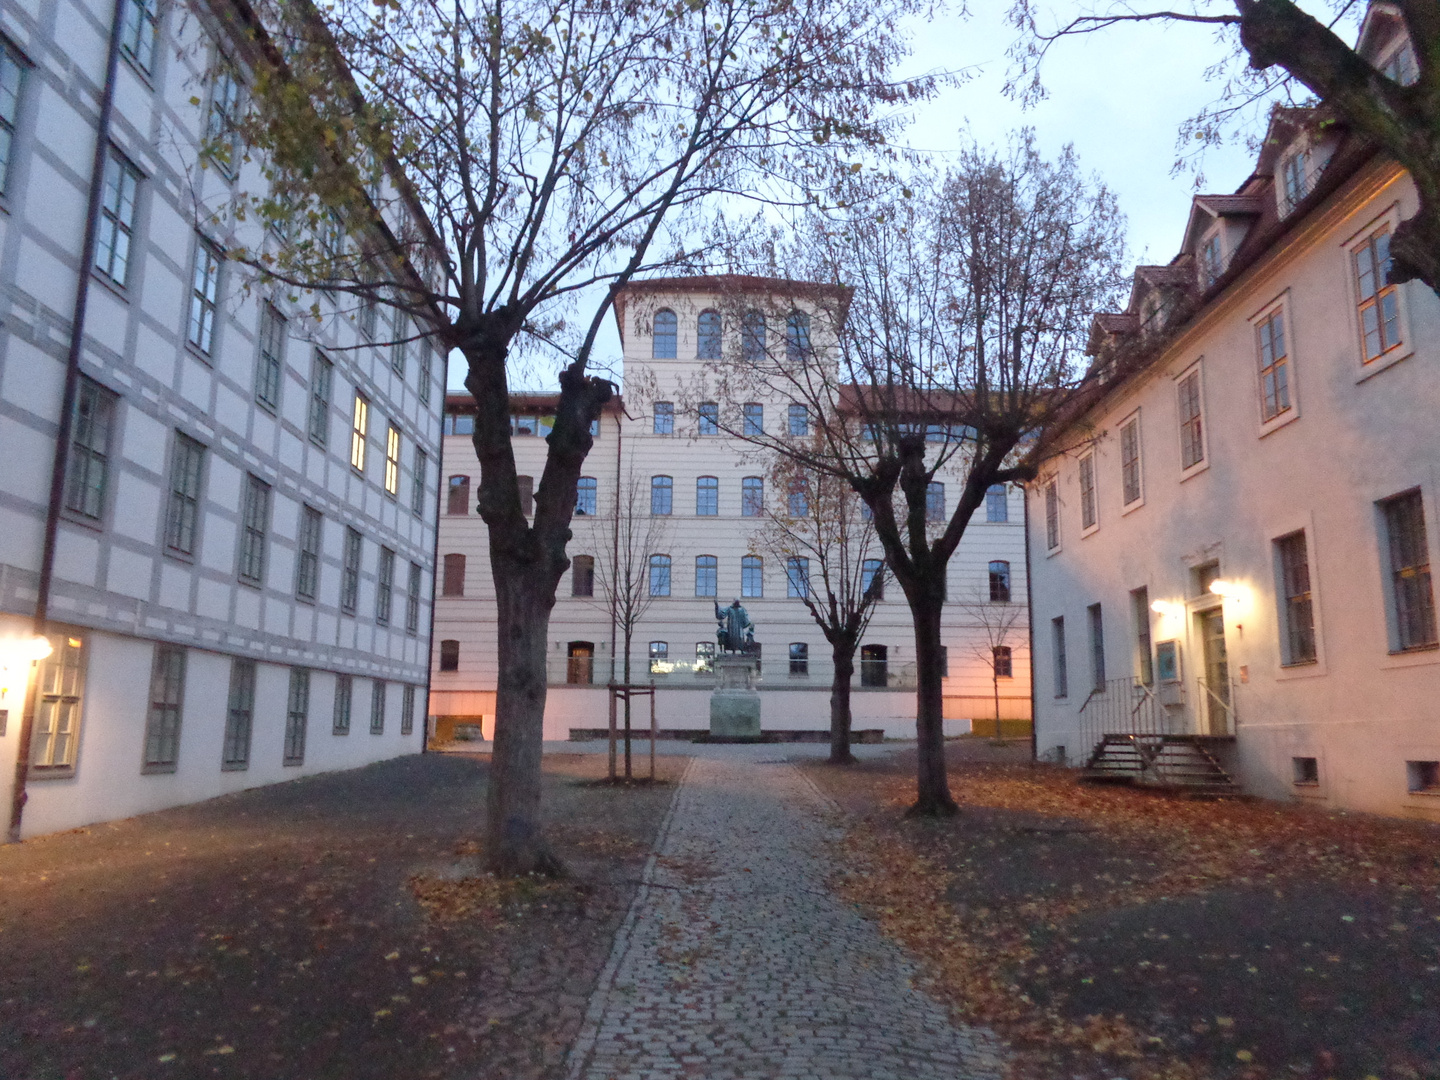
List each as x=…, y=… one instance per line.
x=1237, y=545
x=243, y=523
x=705, y=485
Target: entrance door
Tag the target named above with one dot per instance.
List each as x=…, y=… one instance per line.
x=581, y=667
x=1217, y=672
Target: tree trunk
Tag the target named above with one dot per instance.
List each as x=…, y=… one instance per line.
x=933, y=798
x=844, y=657
x=995, y=683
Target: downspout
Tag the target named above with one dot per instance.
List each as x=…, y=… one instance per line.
x=67, y=406
x=1030, y=630
x=615, y=547
x=435, y=551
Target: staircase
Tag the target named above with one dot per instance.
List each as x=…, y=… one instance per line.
x=1179, y=762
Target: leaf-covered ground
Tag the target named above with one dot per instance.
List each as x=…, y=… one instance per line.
x=336, y=926
x=1110, y=932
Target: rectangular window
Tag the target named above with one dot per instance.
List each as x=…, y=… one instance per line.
x=378, y=693
x=582, y=575
x=934, y=501
x=359, y=429
x=754, y=417
x=322, y=375
x=1192, y=435
x=1130, y=460
x=162, y=723
x=706, y=571
x=384, y=586
x=1001, y=661
x=1274, y=366
x=752, y=496
x=707, y=496
x=1305, y=771
x=662, y=492
x=752, y=576
x=307, y=562
x=57, y=714
x=12, y=75
x=1052, y=515
x=1292, y=173
x=797, y=577
x=664, y=418
x=659, y=575
x=350, y=572
x=999, y=581
x=271, y=365
x=450, y=655
x=1087, y=492
x=407, y=709
x=453, y=583
x=586, y=496
x=1144, y=654
x=457, y=495
x=400, y=346
x=412, y=600
x=239, y=716
x=709, y=418
x=799, y=417
x=1062, y=666
x=344, y=698
x=392, y=460
x=204, y=296
x=660, y=658
x=1410, y=585
x=255, y=524
x=139, y=31
x=418, y=482
x=799, y=658
x=1210, y=262
x=422, y=385
x=297, y=716
x=874, y=664
x=1097, y=647
x=87, y=470
x=186, y=460
x=872, y=577
x=1297, y=614
x=997, y=503
x=117, y=218
x=1379, y=300
x=223, y=119
x=1422, y=777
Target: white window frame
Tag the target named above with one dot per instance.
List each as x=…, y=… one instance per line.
x=1405, y=347
x=1088, y=458
x=1280, y=305
x=1139, y=500
x=1054, y=529
x=1186, y=472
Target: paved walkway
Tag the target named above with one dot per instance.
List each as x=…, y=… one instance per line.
x=736, y=961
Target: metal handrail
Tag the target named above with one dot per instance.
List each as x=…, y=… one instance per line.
x=1227, y=706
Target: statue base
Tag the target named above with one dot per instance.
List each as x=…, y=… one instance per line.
x=734, y=704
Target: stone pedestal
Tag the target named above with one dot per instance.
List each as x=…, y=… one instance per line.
x=734, y=703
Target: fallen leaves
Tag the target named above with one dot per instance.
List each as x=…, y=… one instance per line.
x=486, y=898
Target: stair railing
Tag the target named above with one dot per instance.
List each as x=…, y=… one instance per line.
x=1214, y=702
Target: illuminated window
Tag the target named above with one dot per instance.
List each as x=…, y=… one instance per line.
x=392, y=460
x=359, y=426
x=57, y=716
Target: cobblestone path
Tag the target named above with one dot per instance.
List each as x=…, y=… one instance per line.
x=736, y=961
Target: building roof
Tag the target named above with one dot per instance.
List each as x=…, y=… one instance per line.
x=735, y=285
x=525, y=402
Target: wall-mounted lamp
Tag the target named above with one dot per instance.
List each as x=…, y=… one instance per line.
x=16, y=655
x=1166, y=607
x=1228, y=589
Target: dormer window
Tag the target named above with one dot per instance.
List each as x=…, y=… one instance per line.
x=1150, y=314
x=1210, y=263
x=1293, y=181
x=1400, y=65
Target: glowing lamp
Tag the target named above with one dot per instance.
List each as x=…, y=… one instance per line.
x=1228, y=589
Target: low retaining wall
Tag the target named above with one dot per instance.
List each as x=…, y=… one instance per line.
x=639, y=733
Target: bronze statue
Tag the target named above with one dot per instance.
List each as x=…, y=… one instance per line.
x=736, y=633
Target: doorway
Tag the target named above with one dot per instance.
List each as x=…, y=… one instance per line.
x=1215, y=698
x=581, y=663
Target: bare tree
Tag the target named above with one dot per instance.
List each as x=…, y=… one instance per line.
x=1276, y=43
x=834, y=562
x=558, y=148
x=1001, y=624
x=960, y=342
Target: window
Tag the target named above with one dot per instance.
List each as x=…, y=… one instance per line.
x=797, y=338
x=271, y=364
x=117, y=218
x=662, y=345
x=1192, y=435
x=204, y=294
x=1305, y=771
x=1292, y=178
x=1000, y=661
x=1144, y=654
x=754, y=419
x=384, y=586
x=799, y=658
x=526, y=484
x=449, y=655
x=873, y=664
x=139, y=31
x=660, y=658
x=1210, y=264
x=1400, y=65
x=453, y=583
x=322, y=375
x=359, y=428
x=1062, y=669
x=1130, y=460
x=797, y=577
x=187, y=458
x=1097, y=647
x=934, y=501
x=12, y=74
x=457, y=495
x=1052, y=515
x=1379, y=300
x=523, y=425
x=369, y=305
x=1410, y=584
x=997, y=503
x=57, y=716
x=662, y=492
x=1297, y=613
x=1087, y=492
x=706, y=572
x=659, y=575
x=663, y=422
x=378, y=693
x=704, y=657
x=255, y=524
x=239, y=716
x=407, y=709
x=1274, y=366
x=797, y=500
x=872, y=577
x=1000, y=582
x=752, y=576
x=350, y=572
x=297, y=716
x=752, y=496
x=799, y=421
x=223, y=119
x=752, y=336
x=88, y=467
x=459, y=424
x=585, y=496
x=582, y=575
x=707, y=338
x=1422, y=777
x=417, y=482
x=162, y=722
x=422, y=384
x=400, y=344
x=707, y=496
x=344, y=700
x=412, y=600
x=709, y=418
x=392, y=460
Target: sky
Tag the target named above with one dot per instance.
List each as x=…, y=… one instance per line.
x=1119, y=96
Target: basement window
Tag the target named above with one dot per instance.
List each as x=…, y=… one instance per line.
x=1424, y=777
x=1306, y=771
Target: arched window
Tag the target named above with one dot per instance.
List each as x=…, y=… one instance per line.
x=705, y=575
x=707, y=338
x=449, y=655
x=935, y=501
x=1000, y=581
x=752, y=336
x=752, y=576
x=660, y=658
x=457, y=495
x=707, y=496
x=453, y=583
x=752, y=496
x=754, y=417
x=797, y=577
x=797, y=338
x=659, y=575
x=662, y=494
x=663, y=343
x=797, y=502
x=872, y=577
x=585, y=495
x=799, y=658
x=582, y=575
x=799, y=420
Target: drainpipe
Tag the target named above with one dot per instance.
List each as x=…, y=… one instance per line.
x=1030, y=629
x=67, y=406
x=435, y=551
x=615, y=548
